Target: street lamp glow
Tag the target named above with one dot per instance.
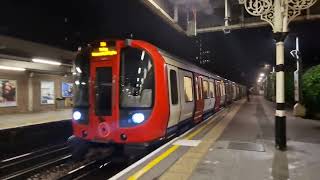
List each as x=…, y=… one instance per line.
x=44, y=61
x=12, y=68
x=262, y=74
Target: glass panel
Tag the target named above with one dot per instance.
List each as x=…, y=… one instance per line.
x=174, y=87
x=136, y=79
x=197, y=90
x=81, y=87
x=103, y=91
x=200, y=88
x=211, y=89
x=188, y=94
x=221, y=88
x=205, y=88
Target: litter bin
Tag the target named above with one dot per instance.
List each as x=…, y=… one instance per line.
x=60, y=103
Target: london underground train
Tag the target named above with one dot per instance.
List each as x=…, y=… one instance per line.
x=131, y=92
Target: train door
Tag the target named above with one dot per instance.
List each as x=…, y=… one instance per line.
x=234, y=92
x=103, y=96
x=174, y=95
x=206, y=96
x=187, y=95
x=218, y=95
x=223, y=94
x=228, y=92
x=212, y=94
x=199, y=99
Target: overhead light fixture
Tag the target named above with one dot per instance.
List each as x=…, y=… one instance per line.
x=44, y=61
x=12, y=68
x=78, y=70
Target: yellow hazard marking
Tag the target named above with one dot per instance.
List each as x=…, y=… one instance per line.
x=155, y=161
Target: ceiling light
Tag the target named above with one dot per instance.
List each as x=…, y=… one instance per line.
x=78, y=70
x=44, y=61
x=12, y=68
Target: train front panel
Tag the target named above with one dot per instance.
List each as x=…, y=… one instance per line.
x=120, y=93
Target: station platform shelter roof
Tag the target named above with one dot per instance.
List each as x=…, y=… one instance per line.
x=210, y=15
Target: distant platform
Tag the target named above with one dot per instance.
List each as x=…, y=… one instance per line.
x=28, y=119
x=236, y=143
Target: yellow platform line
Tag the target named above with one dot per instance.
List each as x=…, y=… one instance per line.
x=157, y=160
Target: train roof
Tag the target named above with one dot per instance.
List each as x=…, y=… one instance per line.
x=176, y=61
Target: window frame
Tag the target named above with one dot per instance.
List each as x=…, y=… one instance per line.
x=154, y=83
x=176, y=97
x=191, y=84
x=205, y=95
x=212, y=90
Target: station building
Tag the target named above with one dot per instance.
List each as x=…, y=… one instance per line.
x=34, y=77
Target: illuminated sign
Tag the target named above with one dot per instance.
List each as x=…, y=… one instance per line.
x=103, y=50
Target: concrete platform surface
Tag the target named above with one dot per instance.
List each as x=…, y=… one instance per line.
x=27, y=119
x=237, y=144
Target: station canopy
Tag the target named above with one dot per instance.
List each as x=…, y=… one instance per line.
x=200, y=16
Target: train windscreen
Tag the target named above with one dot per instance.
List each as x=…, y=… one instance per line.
x=81, y=89
x=136, y=79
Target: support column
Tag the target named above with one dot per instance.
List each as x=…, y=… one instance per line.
x=30, y=92
x=280, y=117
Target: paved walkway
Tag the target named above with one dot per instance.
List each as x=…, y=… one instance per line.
x=27, y=119
x=236, y=144
x=245, y=151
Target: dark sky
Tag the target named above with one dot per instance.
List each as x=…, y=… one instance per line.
x=71, y=23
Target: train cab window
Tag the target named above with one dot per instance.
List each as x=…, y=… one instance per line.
x=205, y=88
x=81, y=83
x=188, y=89
x=136, y=79
x=174, y=87
x=211, y=87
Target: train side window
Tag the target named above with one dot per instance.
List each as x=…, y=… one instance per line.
x=221, y=89
x=205, y=88
x=188, y=90
x=218, y=88
x=200, y=88
x=196, y=88
x=174, y=87
x=211, y=87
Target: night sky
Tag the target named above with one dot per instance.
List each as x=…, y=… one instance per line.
x=73, y=23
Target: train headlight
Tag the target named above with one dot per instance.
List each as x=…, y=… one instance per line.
x=76, y=115
x=137, y=118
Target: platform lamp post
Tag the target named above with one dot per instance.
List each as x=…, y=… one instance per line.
x=298, y=109
x=278, y=13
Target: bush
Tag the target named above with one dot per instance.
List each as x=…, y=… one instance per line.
x=311, y=89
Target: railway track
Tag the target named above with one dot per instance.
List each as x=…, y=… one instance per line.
x=25, y=165
x=86, y=169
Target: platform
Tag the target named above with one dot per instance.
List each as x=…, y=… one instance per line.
x=27, y=119
x=236, y=143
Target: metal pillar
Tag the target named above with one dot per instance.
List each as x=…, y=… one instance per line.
x=280, y=117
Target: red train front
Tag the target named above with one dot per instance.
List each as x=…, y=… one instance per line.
x=116, y=97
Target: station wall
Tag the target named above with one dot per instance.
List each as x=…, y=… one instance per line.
x=28, y=92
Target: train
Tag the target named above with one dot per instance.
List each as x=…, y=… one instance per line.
x=129, y=92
